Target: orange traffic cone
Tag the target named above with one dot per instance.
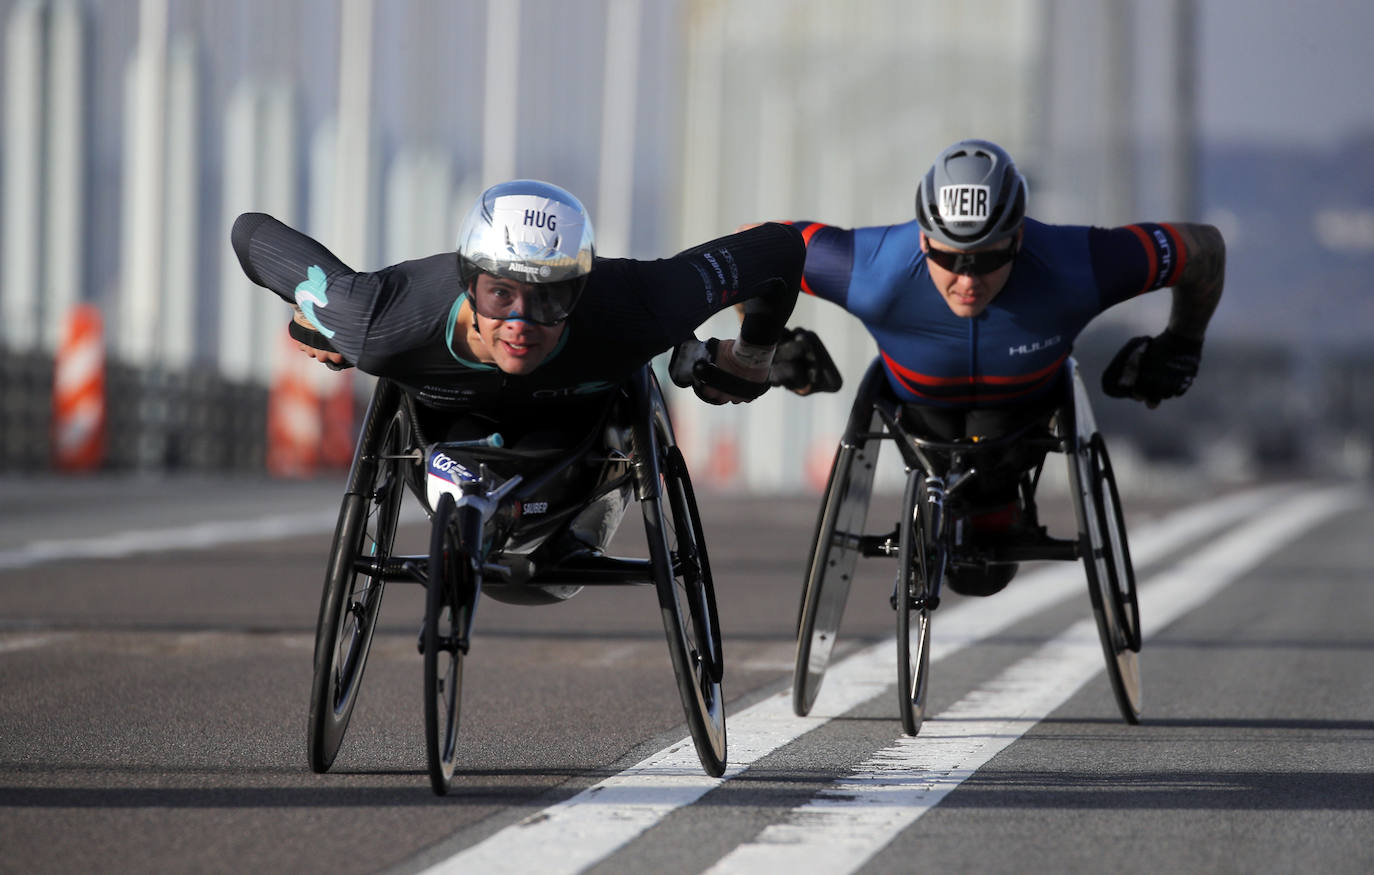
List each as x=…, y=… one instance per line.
x=79, y=392
x=293, y=416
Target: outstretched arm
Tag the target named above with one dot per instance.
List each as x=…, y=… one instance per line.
x=1154, y=368
x=303, y=272
x=367, y=318
x=759, y=270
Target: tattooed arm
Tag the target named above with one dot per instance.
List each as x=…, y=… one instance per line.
x=1198, y=288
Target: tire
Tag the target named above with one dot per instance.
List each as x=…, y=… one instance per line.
x=1106, y=557
x=448, y=600
x=918, y=569
x=834, y=553
x=686, y=593
x=351, y=600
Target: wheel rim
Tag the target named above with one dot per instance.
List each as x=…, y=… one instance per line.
x=690, y=586
x=1121, y=572
x=915, y=577
x=843, y=517
x=687, y=601
x=1122, y=664
x=692, y=567
x=357, y=619
x=443, y=675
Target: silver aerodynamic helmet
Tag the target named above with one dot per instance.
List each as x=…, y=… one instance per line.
x=972, y=196
x=533, y=232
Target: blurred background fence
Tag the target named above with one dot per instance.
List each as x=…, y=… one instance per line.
x=134, y=131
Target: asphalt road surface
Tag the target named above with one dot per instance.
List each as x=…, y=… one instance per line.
x=155, y=662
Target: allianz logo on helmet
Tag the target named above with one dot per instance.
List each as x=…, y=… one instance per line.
x=965, y=203
x=532, y=270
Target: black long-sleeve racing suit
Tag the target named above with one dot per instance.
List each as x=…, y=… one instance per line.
x=398, y=322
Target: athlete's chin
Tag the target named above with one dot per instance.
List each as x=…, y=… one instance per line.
x=967, y=310
x=520, y=364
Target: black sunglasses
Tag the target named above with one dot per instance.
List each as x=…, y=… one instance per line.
x=545, y=304
x=972, y=263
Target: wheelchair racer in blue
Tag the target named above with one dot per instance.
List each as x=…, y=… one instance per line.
x=975, y=308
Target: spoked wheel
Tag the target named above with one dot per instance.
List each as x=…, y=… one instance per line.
x=448, y=600
x=1106, y=559
x=686, y=594
x=918, y=572
x=836, y=548
x=364, y=536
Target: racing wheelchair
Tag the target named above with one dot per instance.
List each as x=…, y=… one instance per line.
x=500, y=519
x=933, y=537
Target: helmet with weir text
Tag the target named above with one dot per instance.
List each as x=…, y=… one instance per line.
x=972, y=196
x=532, y=232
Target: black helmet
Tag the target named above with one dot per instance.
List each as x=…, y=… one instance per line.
x=972, y=196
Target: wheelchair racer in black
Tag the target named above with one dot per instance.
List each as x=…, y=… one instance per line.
x=518, y=327
x=525, y=331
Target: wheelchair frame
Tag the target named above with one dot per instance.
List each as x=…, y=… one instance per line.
x=473, y=522
x=928, y=538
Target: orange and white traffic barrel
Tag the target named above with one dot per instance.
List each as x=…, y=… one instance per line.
x=339, y=433
x=723, y=463
x=293, y=415
x=820, y=457
x=79, y=392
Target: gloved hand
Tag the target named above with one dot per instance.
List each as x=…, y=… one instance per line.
x=1151, y=369
x=711, y=370
x=803, y=365
x=313, y=343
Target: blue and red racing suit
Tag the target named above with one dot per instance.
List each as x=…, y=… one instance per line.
x=1013, y=352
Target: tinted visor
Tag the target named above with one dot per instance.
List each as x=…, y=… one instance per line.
x=544, y=304
x=971, y=263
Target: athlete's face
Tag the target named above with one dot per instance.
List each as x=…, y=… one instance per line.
x=514, y=345
x=966, y=291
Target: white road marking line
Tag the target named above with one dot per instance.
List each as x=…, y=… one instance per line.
x=848, y=823
x=583, y=830
x=9, y=644
x=194, y=537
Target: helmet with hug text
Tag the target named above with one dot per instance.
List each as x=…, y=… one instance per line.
x=972, y=196
x=532, y=232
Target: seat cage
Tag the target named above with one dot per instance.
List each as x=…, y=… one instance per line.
x=950, y=467
x=528, y=498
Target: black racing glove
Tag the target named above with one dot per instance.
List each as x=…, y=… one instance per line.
x=311, y=337
x=803, y=365
x=693, y=365
x=1151, y=369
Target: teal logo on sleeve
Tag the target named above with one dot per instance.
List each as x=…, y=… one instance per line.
x=311, y=294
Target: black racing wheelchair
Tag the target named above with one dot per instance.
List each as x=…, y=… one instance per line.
x=500, y=520
x=933, y=537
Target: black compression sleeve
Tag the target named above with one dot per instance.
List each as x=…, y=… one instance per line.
x=275, y=256
x=240, y=236
x=764, y=266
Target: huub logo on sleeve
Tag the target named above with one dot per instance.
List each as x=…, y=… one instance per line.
x=965, y=203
